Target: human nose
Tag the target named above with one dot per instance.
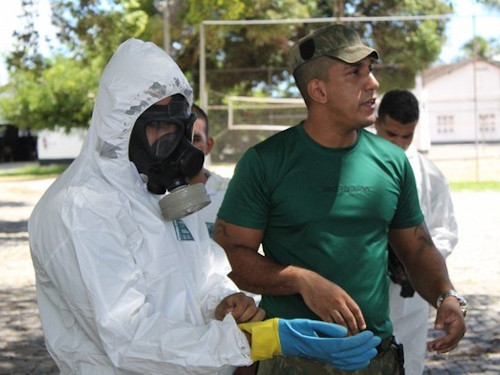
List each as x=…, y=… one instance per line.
x=372, y=82
x=399, y=142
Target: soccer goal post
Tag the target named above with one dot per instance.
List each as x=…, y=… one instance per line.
x=254, y=113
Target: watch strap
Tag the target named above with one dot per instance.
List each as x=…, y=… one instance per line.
x=453, y=293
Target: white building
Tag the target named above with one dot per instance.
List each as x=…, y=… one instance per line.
x=58, y=146
x=460, y=102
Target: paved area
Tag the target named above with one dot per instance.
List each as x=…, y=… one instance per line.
x=474, y=268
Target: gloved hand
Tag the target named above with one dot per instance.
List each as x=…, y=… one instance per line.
x=313, y=339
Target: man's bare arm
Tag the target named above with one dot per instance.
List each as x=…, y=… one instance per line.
x=425, y=265
x=427, y=270
x=250, y=270
x=257, y=274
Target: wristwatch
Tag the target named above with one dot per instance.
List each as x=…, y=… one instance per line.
x=458, y=296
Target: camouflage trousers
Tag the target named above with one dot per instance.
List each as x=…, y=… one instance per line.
x=385, y=363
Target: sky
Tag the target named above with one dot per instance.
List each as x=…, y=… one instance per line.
x=459, y=29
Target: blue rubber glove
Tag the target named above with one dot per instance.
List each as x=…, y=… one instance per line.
x=313, y=339
x=327, y=342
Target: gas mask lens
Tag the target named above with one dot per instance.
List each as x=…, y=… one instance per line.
x=163, y=138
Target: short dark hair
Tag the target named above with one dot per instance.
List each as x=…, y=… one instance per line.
x=400, y=105
x=200, y=113
x=314, y=69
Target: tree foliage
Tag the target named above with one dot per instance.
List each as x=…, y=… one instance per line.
x=45, y=92
x=57, y=90
x=25, y=54
x=244, y=57
x=492, y=4
x=61, y=95
x=481, y=47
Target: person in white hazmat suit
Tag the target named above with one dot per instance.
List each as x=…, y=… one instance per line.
x=398, y=115
x=215, y=184
x=127, y=282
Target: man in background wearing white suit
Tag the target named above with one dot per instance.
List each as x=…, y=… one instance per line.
x=398, y=116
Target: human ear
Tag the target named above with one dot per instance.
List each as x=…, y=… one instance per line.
x=210, y=144
x=317, y=91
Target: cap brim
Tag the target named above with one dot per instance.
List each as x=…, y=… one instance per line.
x=352, y=55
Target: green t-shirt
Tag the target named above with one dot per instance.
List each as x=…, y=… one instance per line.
x=328, y=210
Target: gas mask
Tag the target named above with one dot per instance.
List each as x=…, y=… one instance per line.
x=161, y=149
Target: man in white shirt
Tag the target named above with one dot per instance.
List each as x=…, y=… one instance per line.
x=215, y=184
x=398, y=116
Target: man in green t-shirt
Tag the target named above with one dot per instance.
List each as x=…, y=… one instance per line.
x=324, y=198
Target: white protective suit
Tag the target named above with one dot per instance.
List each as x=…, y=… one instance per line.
x=120, y=290
x=216, y=187
x=410, y=315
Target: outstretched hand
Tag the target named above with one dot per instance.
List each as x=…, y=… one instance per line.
x=332, y=303
x=450, y=319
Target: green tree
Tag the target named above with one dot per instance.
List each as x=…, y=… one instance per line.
x=256, y=56
x=94, y=28
x=25, y=54
x=240, y=60
x=59, y=90
x=492, y=4
x=61, y=95
x=406, y=47
x=480, y=47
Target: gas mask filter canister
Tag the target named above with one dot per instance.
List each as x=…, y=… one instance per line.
x=161, y=148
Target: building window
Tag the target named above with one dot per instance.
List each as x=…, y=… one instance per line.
x=487, y=122
x=445, y=124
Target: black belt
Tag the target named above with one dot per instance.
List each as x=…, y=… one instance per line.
x=385, y=345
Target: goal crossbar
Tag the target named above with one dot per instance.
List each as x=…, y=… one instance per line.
x=249, y=103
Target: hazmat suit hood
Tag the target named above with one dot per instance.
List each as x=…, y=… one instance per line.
x=120, y=290
x=127, y=88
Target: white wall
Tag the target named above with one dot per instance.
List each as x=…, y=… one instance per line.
x=463, y=105
x=57, y=145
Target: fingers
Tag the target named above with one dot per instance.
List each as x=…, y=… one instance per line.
x=450, y=319
x=354, y=361
x=242, y=308
x=320, y=340
x=350, y=317
x=246, y=311
x=355, y=352
x=332, y=304
x=362, y=345
x=356, y=322
x=448, y=342
x=255, y=314
x=443, y=344
x=339, y=319
x=352, y=346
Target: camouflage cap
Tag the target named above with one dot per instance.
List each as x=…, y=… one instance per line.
x=336, y=40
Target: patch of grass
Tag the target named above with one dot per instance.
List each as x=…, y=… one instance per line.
x=53, y=170
x=475, y=185
x=36, y=171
